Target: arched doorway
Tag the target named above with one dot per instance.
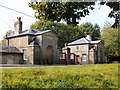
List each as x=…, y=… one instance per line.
x=49, y=54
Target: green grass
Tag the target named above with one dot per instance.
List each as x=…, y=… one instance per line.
x=89, y=76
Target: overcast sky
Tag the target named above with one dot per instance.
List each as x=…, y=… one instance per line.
x=8, y=17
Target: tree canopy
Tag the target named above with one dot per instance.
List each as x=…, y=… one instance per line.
x=70, y=12
x=88, y=28
x=3, y=42
x=67, y=33
x=111, y=39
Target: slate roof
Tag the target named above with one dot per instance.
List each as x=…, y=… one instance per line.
x=95, y=42
x=9, y=49
x=83, y=41
x=31, y=31
x=34, y=32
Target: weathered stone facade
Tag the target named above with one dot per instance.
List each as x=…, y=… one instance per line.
x=38, y=47
x=10, y=55
x=86, y=51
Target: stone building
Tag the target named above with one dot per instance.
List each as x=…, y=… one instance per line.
x=86, y=51
x=32, y=46
x=38, y=47
x=10, y=55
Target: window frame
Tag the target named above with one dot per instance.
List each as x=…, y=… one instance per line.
x=84, y=57
x=77, y=48
x=24, y=54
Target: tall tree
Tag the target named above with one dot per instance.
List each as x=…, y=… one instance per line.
x=67, y=33
x=111, y=40
x=70, y=12
x=8, y=33
x=93, y=30
x=3, y=42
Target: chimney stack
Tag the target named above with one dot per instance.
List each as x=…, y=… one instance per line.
x=18, y=26
x=88, y=37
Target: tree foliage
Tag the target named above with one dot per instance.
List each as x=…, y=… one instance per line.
x=3, y=42
x=88, y=28
x=111, y=39
x=70, y=12
x=67, y=33
x=115, y=6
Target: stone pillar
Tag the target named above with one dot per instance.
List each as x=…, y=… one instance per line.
x=34, y=53
x=67, y=51
x=92, y=56
x=68, y=55
x=37, y=55
x=30, y=53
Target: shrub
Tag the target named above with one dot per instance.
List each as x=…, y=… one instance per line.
x=88, y=76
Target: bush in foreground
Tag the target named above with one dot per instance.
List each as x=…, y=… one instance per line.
x=88, y=76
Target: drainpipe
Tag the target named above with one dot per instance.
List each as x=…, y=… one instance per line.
x=8, y=42
x=88, y=56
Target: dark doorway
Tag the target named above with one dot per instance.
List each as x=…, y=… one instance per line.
x=49, y=54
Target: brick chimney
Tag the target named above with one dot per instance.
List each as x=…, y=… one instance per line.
x=18, y=26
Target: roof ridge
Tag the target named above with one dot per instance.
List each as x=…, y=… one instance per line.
x=88, y=40
x=29, y=32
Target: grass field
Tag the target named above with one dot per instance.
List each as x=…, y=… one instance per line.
x=88, y=76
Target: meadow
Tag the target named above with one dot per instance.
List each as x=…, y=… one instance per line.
x=71, y=76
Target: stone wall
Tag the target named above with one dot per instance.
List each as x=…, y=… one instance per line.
x=94, y=53
x=30, y=53
x=49, y=40
x=101, y=53
x=79, y=50
x=35, y=48
x=37, y=55
x=20, y=42
x=10, y=58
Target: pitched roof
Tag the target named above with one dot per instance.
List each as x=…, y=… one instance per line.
x=83, y=41
x=34, y=32
x=95, y=42
x=9, y=49
x=30, y=32
x=79, y=41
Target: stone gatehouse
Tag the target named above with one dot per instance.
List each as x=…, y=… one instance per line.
x=38, y=47
x=85, y=51
x=32, y=46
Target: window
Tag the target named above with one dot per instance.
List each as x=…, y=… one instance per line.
x=72, y=56
x=25, y=54
x=62, y=56
x=77, y=48
x=84, y=57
